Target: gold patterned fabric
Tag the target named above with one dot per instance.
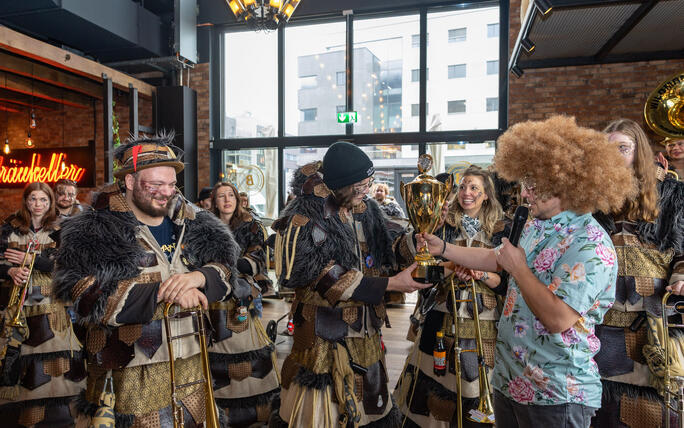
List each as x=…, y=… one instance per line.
x=640, y=413
x=139, y=390
x=616, y=318
x=650, y=263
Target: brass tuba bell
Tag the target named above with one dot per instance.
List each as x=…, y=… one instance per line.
x=664, y=109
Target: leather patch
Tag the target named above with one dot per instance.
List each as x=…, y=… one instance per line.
x=115, y=353
x=34, y=374
x=219, y=372
x=442, y=410
x=304, y=331
x=321, y=190
x=634, y=343
x=329, y=279
x=240, y=371
x=375, y=396
x=96, y=340
x=39, y=330
x=469, y=367
x=261, y=367
x=290, y=369
x=232, y=322
x=149, y=259
x=375, y=319
x=358, y=387
x=129, y=333
x=350, y=314
x=489, y=301
x=56, y=367
x=218, y=321
x=329, y=324
x=195, y=403
x=299, y=220
x=242, y=416
x=150, y=337
x=318, y=234
x=86, y=301
x=640, y=413
x=612, y=358
x=644, y=286
x=311, y=168
x=419, y=405
x=77, y=371
x=31, y=415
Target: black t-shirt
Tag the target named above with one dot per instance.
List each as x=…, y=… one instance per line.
x=165, y=236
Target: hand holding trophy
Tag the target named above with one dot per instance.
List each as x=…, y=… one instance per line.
x=424, y=198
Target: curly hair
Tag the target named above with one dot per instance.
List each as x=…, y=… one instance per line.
x=573, y=163
x=645, y=205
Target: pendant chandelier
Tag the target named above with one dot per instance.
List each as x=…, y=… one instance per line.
x=264, y=15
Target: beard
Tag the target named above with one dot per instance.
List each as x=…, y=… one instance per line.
x=143, y=201
x=64, y=205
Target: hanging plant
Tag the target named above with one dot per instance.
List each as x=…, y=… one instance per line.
x=115, y=126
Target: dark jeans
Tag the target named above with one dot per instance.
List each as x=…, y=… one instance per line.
x=510, y=414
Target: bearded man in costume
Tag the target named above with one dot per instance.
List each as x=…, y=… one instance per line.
x=144, y=245
x=332, y=245
x=562, y=276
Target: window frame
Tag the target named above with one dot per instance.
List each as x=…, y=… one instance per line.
x=422, y=137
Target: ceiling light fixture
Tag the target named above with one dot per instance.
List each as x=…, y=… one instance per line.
x=265, y=15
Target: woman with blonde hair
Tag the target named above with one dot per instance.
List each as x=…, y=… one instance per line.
x=648, y=236
x=474, y=220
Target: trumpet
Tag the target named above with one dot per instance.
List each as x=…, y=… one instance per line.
x=212, y=419
x=485, y=410
x=670, y=381
x=19, y=292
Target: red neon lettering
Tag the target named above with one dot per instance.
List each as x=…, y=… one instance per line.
x=56, y=170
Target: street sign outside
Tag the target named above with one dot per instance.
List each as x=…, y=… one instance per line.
x=347, y=117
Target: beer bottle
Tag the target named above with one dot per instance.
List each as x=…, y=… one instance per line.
x=439, y=355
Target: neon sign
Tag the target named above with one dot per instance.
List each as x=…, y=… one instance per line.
x=48, y=165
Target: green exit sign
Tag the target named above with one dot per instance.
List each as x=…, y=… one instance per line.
x=347, y=117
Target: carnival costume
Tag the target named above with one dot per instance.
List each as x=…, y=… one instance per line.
x=42, y=377
x=336, y=374
x=427, y=400
x=243, y=359
x=650, y=256
x=111, y=265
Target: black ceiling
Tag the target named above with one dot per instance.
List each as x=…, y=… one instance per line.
x=582, y=32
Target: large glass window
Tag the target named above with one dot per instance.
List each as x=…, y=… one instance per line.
x=251, y=88
x=450, y=88
x=255, y=172
x=392, y=163
x=318, y=51
x=457, y=156
x=457, y=35
x=383, y=64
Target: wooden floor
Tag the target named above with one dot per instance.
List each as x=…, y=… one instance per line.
x=395, y=338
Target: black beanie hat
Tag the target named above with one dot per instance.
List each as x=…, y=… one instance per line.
x=344, y=164
x=205, y=193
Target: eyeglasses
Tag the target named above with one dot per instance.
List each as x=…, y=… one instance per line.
x=362, y=187
x=155, y=187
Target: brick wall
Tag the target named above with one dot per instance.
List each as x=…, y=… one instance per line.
x=199, y=81
x=79, y=125
x=595, y=95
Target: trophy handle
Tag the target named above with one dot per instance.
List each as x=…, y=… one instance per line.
x=448, y=185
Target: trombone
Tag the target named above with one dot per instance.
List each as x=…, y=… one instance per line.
x=671, y=381
x=212, y=419
x=484, y=413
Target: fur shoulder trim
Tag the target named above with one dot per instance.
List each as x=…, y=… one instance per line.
x=668, y=229
x=207, y=239
x=379, y=238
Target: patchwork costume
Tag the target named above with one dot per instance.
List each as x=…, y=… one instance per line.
x=243, y=359
x=45, y=373
x=428, y=400
x=650, y=256
x=336, y=374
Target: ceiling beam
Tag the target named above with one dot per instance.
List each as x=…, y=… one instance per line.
x=50, y=75
x=41, y=90
x=23, y=45
x=626, y=27
x=8, y=109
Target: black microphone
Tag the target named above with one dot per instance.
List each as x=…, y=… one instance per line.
x=519, y=220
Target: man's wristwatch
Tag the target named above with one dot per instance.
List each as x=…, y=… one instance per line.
x=485, y=276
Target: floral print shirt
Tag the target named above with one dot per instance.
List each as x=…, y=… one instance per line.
x=575, y=258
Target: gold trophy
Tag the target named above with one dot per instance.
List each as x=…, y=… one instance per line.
x=424, y=198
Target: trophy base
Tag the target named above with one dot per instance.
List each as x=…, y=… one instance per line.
x=428, y=273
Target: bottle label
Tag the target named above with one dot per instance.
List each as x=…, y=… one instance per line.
x=440, y=359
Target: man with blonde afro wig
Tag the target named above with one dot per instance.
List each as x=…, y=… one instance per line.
x=562, y=275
